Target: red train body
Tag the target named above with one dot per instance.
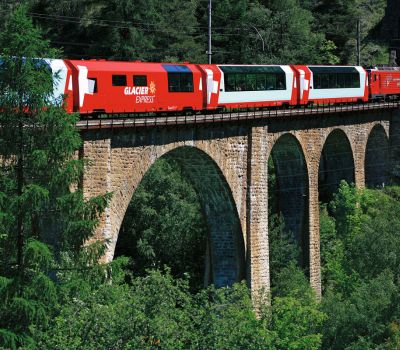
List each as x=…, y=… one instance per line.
x=384, y=83
x=98, y=86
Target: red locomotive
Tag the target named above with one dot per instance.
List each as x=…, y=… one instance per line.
x=98, y=86
x=384, y=83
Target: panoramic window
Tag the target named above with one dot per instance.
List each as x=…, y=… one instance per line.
x=335, y=77
x=140, y=80
x=119, y=80
x=253, y=78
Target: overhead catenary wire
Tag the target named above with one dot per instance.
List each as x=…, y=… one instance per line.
x=132, y=24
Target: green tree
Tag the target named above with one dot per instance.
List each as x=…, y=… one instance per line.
x=37, y=169
x=338, y=21
x=297, y=317
x=374, y=50
x=148, y=30
x=283, y=25
x=230, y=30
x=164, y=224
x=157, y=310
x=283, y=248
x=359, y=251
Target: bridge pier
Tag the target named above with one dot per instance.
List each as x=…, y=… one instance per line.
x=394, y=145
x=313, y=217
x=257, y=211
x=97, y=181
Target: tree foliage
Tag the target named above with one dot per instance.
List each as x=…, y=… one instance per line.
x=159, y=311
x=54, y=293
x=164, y=224
x=360, y=259
x=38, y=213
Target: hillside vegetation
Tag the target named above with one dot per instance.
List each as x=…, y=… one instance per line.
x=54, y=293
x=244, y=31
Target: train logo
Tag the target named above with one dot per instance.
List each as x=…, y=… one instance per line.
x=136, y=90
x=142, y=93
x=153, y=88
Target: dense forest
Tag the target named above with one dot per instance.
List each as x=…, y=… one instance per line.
x=244, y=31
x=54, y=292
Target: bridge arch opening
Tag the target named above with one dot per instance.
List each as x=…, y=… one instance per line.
x=377, y=158
x=288, y=193
x=336, y=164
x=219, y=247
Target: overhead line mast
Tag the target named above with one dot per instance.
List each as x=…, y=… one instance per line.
x=209, y=52
x=358, y=42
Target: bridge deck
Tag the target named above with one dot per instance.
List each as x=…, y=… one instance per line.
x=131, y=121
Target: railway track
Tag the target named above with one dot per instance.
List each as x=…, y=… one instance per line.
x=115, y=121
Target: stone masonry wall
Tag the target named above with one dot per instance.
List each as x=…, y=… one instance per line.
x=118, y=160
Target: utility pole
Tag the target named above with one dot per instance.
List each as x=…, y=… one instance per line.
x=358, y=42
x=209, y=52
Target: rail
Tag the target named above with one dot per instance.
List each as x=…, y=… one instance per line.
x=124, y=120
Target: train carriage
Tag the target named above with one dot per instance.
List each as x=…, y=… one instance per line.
x=384, y=83
x=134, y=87
x=92, y=87
x=331, y=84
x=243, y=86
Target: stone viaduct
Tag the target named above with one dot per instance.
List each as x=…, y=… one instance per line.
x=228, y=165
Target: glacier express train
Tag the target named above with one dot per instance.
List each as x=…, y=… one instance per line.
x=94, y=87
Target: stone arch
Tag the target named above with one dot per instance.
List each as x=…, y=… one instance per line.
x=292, y=189
x=336, y=164
x=226, y=245
x=377, y=157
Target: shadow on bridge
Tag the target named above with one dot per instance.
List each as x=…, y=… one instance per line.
x=288, y=192
x=224, y=258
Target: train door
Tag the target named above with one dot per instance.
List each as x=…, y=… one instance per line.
x=374, y=83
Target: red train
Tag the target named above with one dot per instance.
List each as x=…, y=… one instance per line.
x=98, y=86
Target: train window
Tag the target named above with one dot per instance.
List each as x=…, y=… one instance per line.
x=140, y=80
x=325, y=81
x=261, y=82
x=254, y=82
x=119, y=80
x=174, y=82
x=280, y=82
x=335, y=77
x=230, y=82
x=337, y=81
x=251, y=82
x=348, y=80
x=317, y=81
x=241, y=82
x=333, y=81
x=92, y=85
x=253, y=78
x=271, y=82
x=180, y=78
x=341, y=81
x=186, y=82
x=355, y=80
x=180, y=82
